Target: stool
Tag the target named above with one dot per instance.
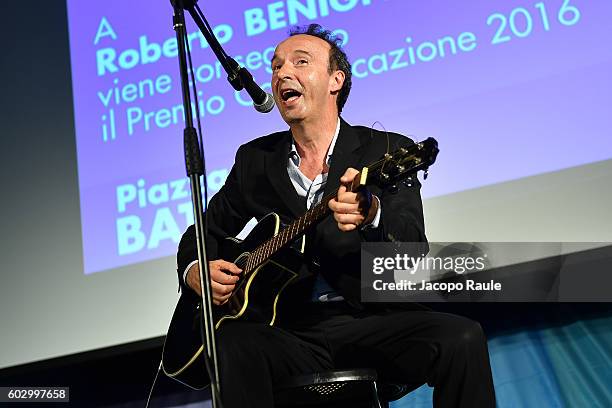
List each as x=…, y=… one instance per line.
x=338, y=388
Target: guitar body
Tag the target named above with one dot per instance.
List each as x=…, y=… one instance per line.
x=265, y=283
x=255, y=298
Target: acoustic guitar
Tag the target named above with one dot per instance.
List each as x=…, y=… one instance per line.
x=270, y=260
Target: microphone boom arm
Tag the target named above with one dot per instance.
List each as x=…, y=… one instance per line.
x=238, y=77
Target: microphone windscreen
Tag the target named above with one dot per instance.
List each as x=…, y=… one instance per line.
x=267, y=105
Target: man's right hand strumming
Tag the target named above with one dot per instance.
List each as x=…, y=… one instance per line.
x=223, y=276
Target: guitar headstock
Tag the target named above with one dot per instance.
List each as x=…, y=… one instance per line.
x=403, y=162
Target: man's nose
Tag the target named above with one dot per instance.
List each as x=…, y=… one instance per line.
x=284, y=72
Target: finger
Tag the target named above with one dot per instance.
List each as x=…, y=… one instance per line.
x=224, y=301
x=232, y=268
x=348, y=197
x=348, y=175
x=337, y=206
x=346, y=208
x=216, y=300
x=346, y=227
x=223, y=277
x=355, y=219
x=333, y=204
x=221, y=299
x=235, y=269
x=221, y=264
x=228, y=266
x=220, y=289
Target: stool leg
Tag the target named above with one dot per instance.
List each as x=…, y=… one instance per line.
x=376, y=399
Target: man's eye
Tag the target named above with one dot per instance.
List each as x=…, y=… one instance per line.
x=302, y=61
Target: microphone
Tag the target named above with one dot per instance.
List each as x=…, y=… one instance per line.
x=262, y=101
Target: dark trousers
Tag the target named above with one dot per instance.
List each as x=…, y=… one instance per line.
x=446, y=351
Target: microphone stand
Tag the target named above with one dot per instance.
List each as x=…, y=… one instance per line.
x=195, y=168
x=240, y=78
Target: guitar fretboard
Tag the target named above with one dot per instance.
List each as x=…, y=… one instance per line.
x=288, y=234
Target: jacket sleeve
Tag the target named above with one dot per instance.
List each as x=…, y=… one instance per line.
x=225, y=216
x=401, y=210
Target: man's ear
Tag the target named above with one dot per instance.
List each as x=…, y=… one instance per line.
x=336, y=81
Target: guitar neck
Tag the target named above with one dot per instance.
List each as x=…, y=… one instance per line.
x=288, y=234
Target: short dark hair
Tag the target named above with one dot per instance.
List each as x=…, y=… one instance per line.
x=337, y=57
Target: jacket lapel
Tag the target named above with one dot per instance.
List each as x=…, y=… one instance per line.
x=347, y=152
x=276, y=171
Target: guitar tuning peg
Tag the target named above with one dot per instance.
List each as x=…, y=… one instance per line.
x=393, y=188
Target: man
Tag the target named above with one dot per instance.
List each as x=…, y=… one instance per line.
x=321, y=323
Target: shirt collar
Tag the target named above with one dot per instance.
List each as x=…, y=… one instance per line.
x=295, y=157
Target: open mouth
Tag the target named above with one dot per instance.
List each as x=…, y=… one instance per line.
x=290, y=95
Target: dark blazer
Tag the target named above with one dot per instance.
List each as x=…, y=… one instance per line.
x=259, y=184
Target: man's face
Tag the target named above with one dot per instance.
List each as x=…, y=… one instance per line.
x=301, y=82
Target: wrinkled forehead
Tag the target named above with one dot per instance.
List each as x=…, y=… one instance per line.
x=302, y=43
